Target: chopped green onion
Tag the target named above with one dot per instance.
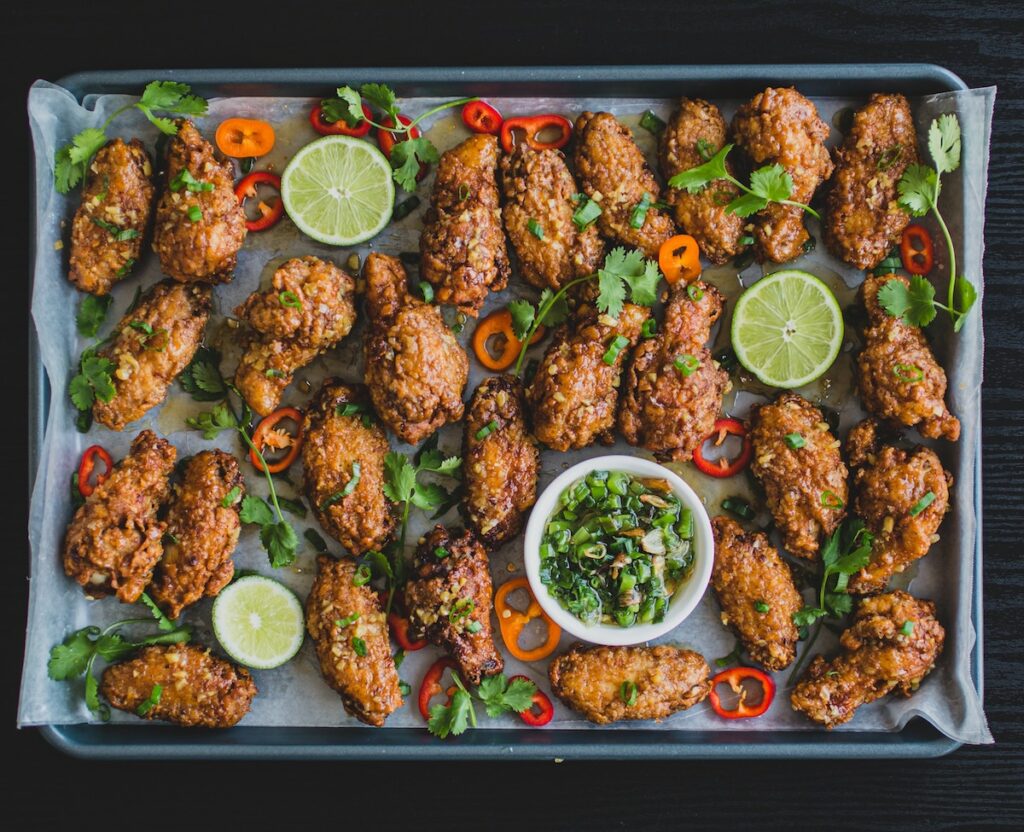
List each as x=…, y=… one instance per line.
x=318, y=543
x=142, y=326
x=195, y=213
x=350, y=409
x=908, y=373
x=270, y=372
x=232, y=497
x=651, y=123
x=535, y=229
x=705, y=149
x=649, y=328
x=426, y=291
x=795, y=441
x=362, y=576
x=890, y=157
x=359, y=646
x=746, y=240
x=614, y=348
x=922, y=504
x=398, y=658
x=738, y=506
x=342, y=623
x=829, y=499
x=695, y=292
x=761, y=607
x=809, y=245
x=463, y=192
x=586, y=214
x=350, y=486
x=248, y=164
x=290, y=299
x=403, y=687
x=687, y=364
x=889, y=265
x=638, y=216
x=474, y=626
x=487, y=429
x=907, y=628
x=628, y=693
x=151, y=702
x=461, y=610
x=184, y=179
x=440, y=552
x=403, y=209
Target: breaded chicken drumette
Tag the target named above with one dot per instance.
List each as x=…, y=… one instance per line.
x=197, y=689
x=151, y=345
x=350, y=631
x=114, y=540
x=673, y=387
x=415, y=368
x=780, y=126
x=897, y=375
x=462, y=247
x=804, y=477
x=107, y=231
x=202, y=533
x=309, y=307
x=667, y=679
x=892, y=644
x=449, y=601
x=343, y=460
x=199, y=229
x=613, y=172
x=864, y=218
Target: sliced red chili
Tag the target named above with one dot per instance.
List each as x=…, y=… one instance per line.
x=262, y=432
x=481, y=117
x=532, y=127
x=734, y=678
x=339, y=127
x=88, y=464
x=269, y=214
x=431, y=684
x=545, y=710
x=723, y=466
x=917, y=251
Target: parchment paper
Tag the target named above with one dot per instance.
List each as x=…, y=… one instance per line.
x=295, y=694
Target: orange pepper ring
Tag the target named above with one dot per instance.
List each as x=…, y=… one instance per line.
x=512, y=621
x=679, y=258
x=499, y=324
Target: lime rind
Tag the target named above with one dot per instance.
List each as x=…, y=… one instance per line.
x=259, y=622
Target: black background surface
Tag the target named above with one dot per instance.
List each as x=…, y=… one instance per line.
x=973, y=789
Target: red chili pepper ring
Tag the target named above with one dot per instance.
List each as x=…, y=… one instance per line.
x=734, y=678
x=723, y=467
x=481, y=117
x=339, y=127
x=86, y=466
x=545, y=712
x=431, y=684
x=532, y=127
x=269, y=214
x=917, y=251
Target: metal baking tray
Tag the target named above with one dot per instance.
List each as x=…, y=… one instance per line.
x=917, y=739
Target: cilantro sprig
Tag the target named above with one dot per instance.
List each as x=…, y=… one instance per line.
x=92, y=312
x=498, y=695
x=93, y=382
x=201, y=379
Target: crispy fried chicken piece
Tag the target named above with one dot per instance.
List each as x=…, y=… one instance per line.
x=749, y=574
x=864, y=218
x=202, y=533
x=335, y=442
x=206, y=248
x=463, y=245
x=780, y=126
x=197, y=688
x=698, y=125
x=500, y=468
x=879, y=657
x=806, y=486
x=415, y=368
x=663, y=409
x=613, y=172
x=114, y=539
x=446, y=595
x=538, y=188
x=668, y=679
x=151, y=345
x=116, y=200
x=367, y=684
x=309, y=307
x=897, y=374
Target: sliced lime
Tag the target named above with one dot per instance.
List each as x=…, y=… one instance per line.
x=258, y=622
x=787, y=328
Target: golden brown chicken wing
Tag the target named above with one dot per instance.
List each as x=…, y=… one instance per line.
x=667, y=679
x=415, y=368
x=350, y=631
x=892, y=644
x=114, y=540
x=107, y=231
x=449, y=601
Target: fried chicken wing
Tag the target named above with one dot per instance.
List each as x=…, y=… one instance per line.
x=114, y=540
x=892, y=644
x=780, y=126
x=805, y=486
x=449, y=601
x=415, y=368
x=152, y=344
x=107, y=231
x=309, y=307
x=340, y=615
x=667, y=679
x=197, y=689
x=202, y=533
x=613, y=172
x=897, y=374
x=462, y=247
x=663, y=409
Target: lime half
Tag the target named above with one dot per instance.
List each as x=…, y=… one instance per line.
x=258, y=622
x=339, y=190
x=787, y=328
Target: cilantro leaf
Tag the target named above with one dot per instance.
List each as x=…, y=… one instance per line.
x=559, y=310
x=406, y=158
x=72, y=160
x=349, y=100
x=918, y=189
x=435, y=461
x=966, y=296
x=92, y=311
x=807, y=616
x=163, y=622
x=944, y=142
x=694, y=179
x=612, y=293
x=380, y=95
x=913, y=304
x=453, y=719
x=772, y=182
x=70, y=658
x=280, y=541
x=643, y=288
x=500, y=695
x=428, y=495
x=746, y=204
x=213, y=422
x=522, y=313
x=202, y=378
x=80, y=391
x=626, y=269
x=255, y=510
x=399, y=477
x=172, y=97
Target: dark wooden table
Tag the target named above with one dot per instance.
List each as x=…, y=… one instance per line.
x=973, y=789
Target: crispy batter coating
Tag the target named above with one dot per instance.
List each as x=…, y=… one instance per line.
x=805, y=487
x=447, y=594
x=201, y=533
x=538, y=187
x=668, y=679
x=864, y=218
x=334, y=443
x=309, y=307
x=780, y=126
x=698, y=124
x=878, y=658
x=662, y=409
x=198, y=689
x=415, y=368
x=613, y=172
x=367, y=684
x=113, y=541
x=151, y=345
x=574, y=393
x=118, y=192
x=463, y=245
x=500, y=469
x=897, y=374
x=749, y=572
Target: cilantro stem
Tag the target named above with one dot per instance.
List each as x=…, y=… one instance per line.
x=266, y=472
x=791, y=202
x=115, y=114
x=404, y=129
x=949, y=248
x=538, y=319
